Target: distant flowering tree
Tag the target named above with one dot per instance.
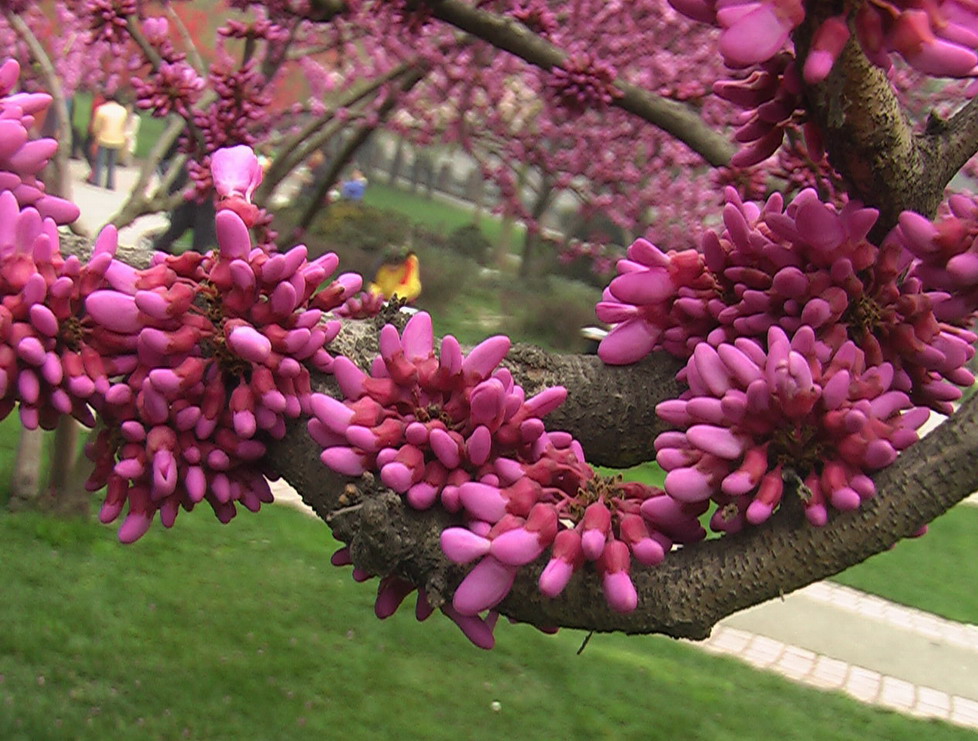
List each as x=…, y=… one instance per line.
x=778, y=370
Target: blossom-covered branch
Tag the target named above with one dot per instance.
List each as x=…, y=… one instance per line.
x=507, y=34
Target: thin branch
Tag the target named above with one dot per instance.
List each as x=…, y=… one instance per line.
x=412, y=78
x=953, y=142
x=297, y=148
x=53, y=84
x=188, y=41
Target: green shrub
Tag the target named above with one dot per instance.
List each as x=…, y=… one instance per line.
x=470, y=242
x=444, y=275
x=551, y=312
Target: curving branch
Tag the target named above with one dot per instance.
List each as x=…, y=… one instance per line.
x=697, y=585
x=511, y=36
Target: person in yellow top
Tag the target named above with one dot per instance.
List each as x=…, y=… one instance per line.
x=109, y=132
x=399, y=275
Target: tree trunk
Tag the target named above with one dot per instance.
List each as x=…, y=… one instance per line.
x=532, y=239
x=25, y=484
x=397, y=163
x=66, y=495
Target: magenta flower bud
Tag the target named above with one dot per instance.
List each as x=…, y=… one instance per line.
x=689, y=484
x=673, y=411
x=451, y=355
x=349, y=377
x=595, y=528
x=135, y=526
x=483, y=501
x=711, y=370
x=628, y=342
x=418, y=337
x=331, y=412
x=390, y=594
x=44, y=320
x=397, y=476
x=718, y=441
x=487, y=403
x=236, y=172
x=473, y=627
x=195, y=482
x=233, y=238
x=485, y=357
x=445, y=447
x=484, y=587
x=31, y=350
x=555, y=576
x=28, y=386
x=422, y=495
x=250, y=344
x=113, y=310
x=341, y=557
x=478, y=447
x=546, y=401
x=879, y=454
x=767, y=498
x=830, y=38
x=345, y=461
x=463, y=546
x=615, y=564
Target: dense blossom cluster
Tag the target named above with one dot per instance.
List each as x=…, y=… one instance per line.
x=753, y=416
x=22, y=159
x=455, y=430
x=185, y=362
x=808, y=346
x=582, y=82
x=937, y=40
x=772, y=96
x=108, y=19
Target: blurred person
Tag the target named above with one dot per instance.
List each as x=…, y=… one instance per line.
x=128, y=153
x=109, y=132
x=398, y=275
x=354, y=188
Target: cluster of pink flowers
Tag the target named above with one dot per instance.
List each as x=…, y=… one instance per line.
x=455, y=430
x=536, y=15
x=947, y=252
x=174, y=88
x=185, y=362
x=216, y=349
x=108, y=19
x=581, y=83
x=21, y=159
x=752, y=415
x=808, y=345
x=772, y=97
x=937, y=40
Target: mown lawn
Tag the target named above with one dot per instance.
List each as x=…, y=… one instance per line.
x=935, y=573
x=246, y=632
x=434, y=213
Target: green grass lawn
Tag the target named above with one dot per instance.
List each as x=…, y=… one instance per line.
x=246, y=632
x=435, y=214
x=936, y=573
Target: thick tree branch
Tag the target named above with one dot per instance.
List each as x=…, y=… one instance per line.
x=953, y=142
x=871, y=142
x=697, y=585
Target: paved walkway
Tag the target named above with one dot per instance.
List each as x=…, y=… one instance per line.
x=826, y=636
